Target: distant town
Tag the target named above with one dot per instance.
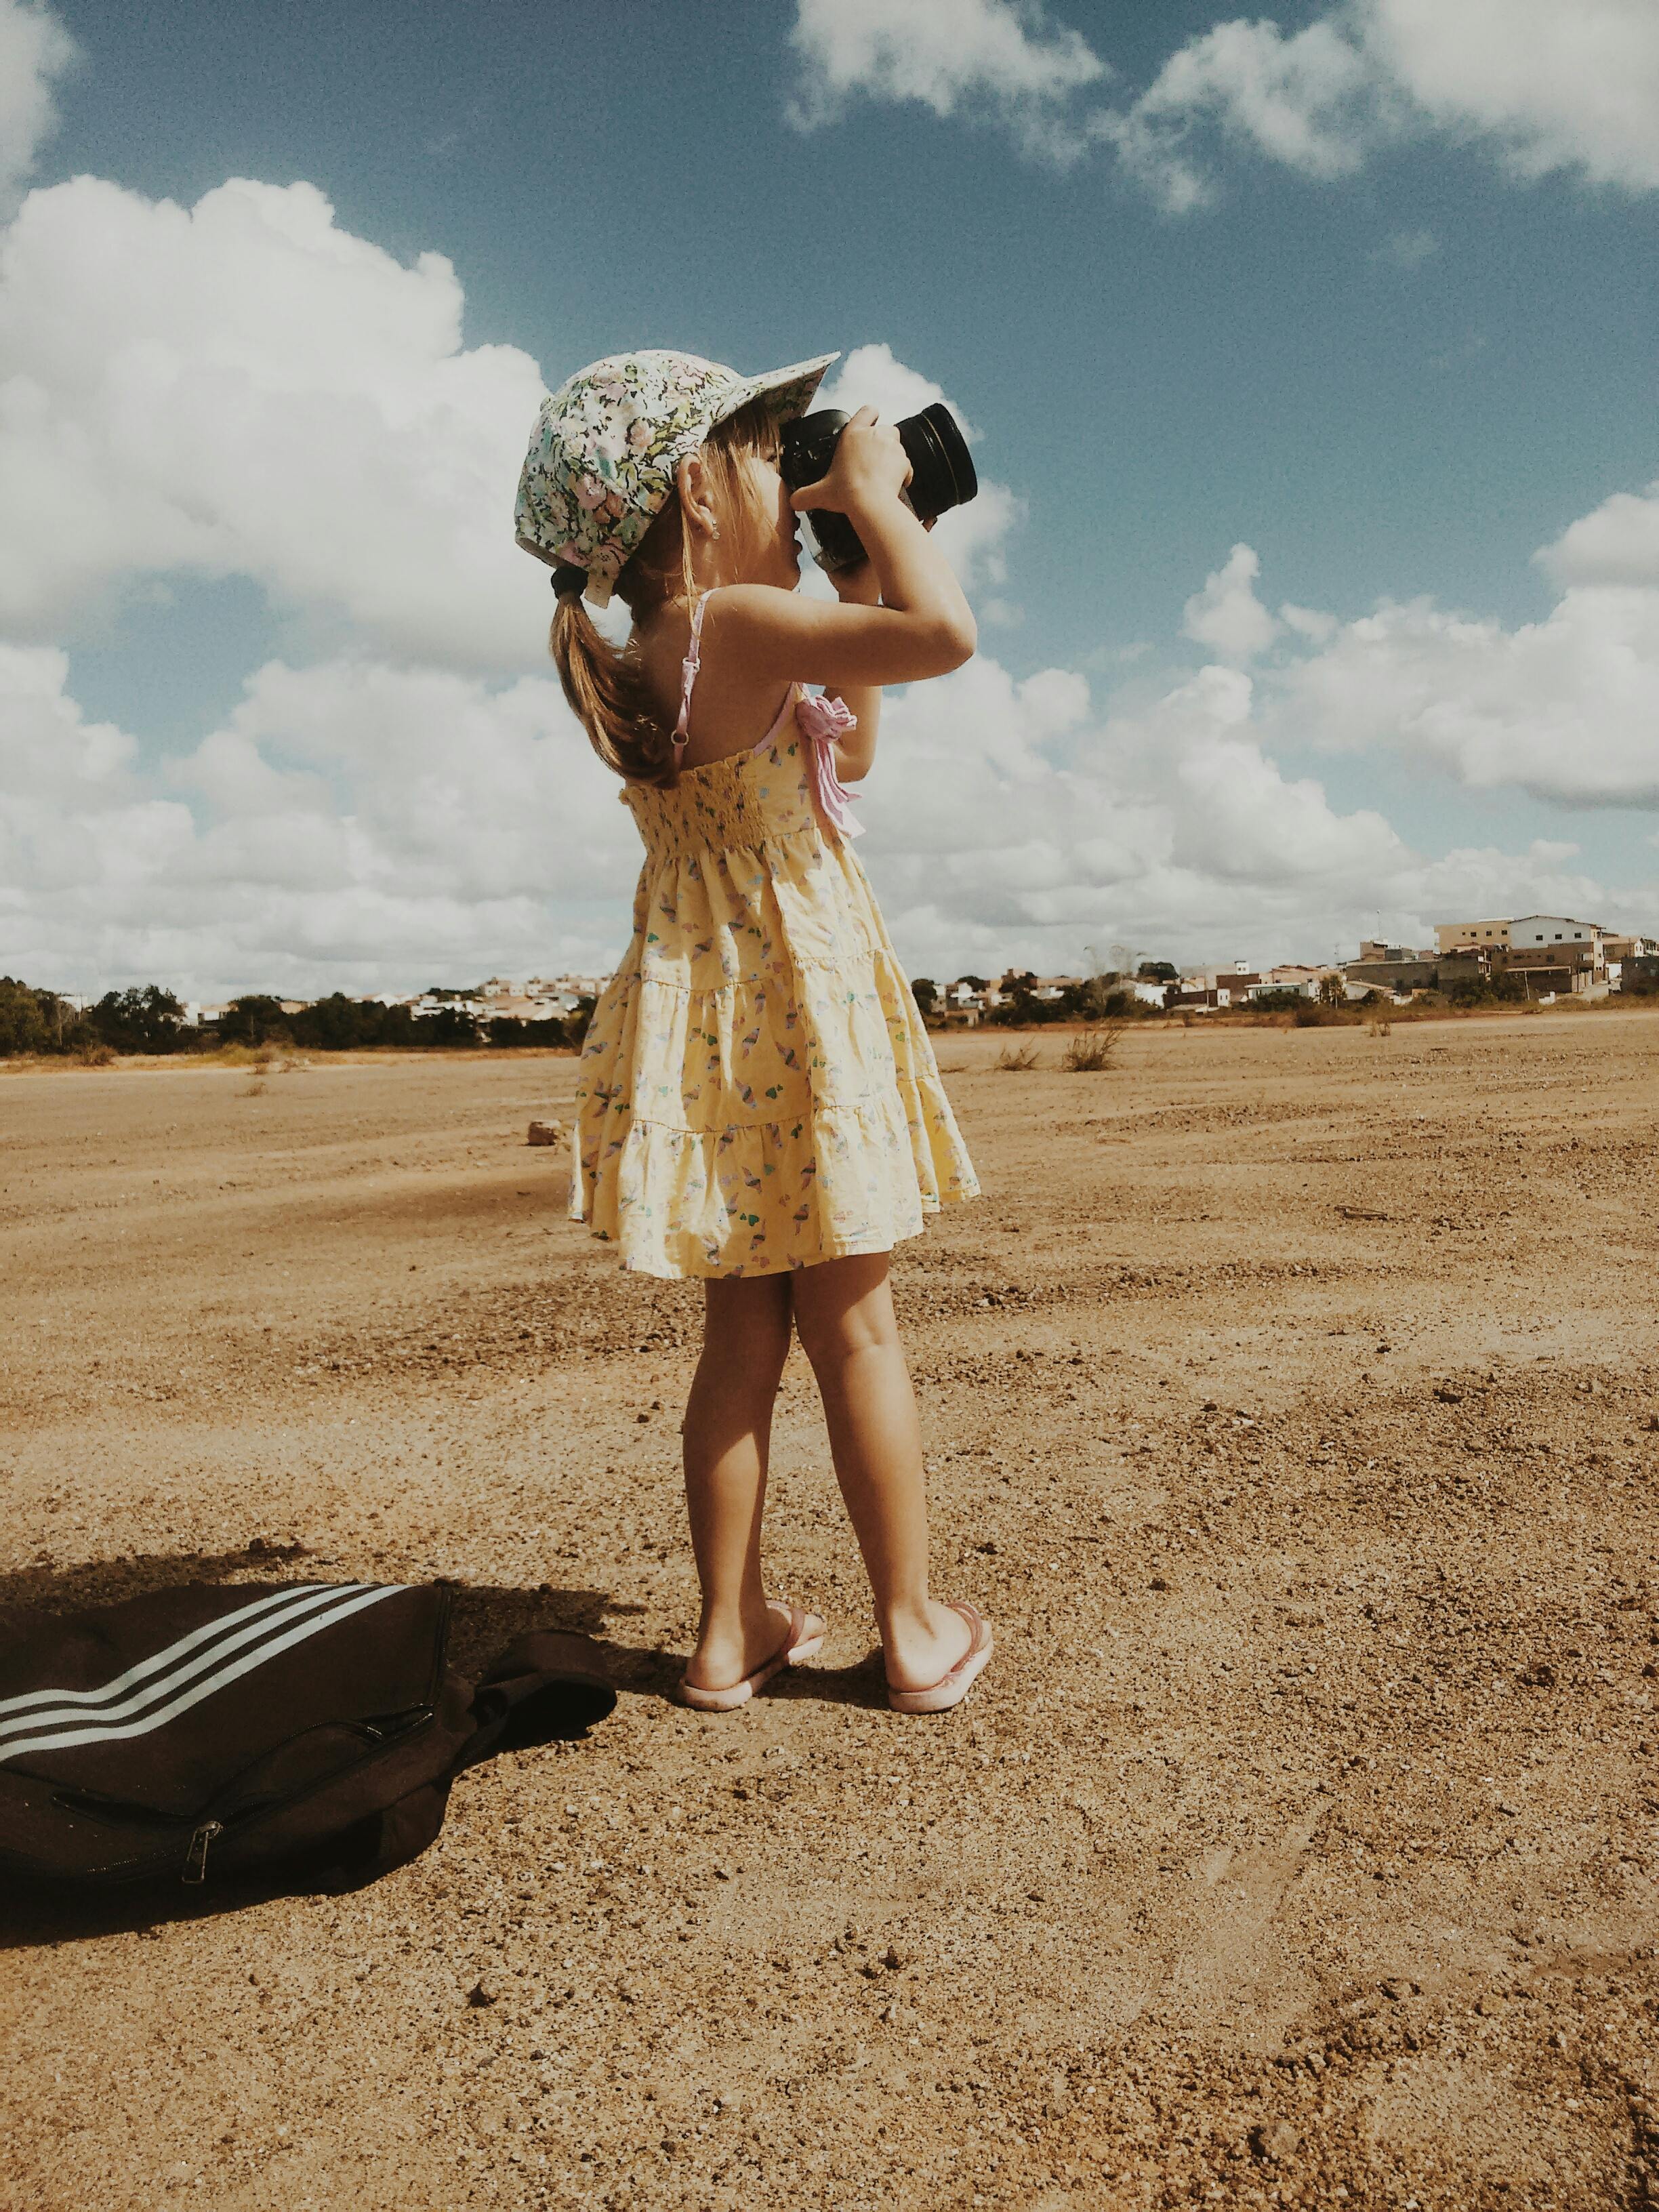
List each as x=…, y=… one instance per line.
x=542, y=999
x=1537, y=957
x=1532, y=959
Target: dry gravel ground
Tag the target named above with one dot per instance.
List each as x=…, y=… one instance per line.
x=1293, y=1407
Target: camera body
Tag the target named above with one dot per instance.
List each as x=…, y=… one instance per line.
x=941, y=473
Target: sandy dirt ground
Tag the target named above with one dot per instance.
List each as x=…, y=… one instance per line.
x=1293, y=1405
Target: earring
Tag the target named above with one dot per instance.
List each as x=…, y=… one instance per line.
x=714, y=529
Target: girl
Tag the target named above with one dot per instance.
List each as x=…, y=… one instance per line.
x=759, y=1104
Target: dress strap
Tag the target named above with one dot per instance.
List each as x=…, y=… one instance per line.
x=689, y=675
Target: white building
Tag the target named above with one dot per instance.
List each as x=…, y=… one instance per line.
x=1552, y=929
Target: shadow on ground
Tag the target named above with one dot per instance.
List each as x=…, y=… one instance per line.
x=484, y=1620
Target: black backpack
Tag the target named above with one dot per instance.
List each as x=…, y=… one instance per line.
x=307, y=1732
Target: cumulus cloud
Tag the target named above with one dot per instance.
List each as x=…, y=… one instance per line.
x=1226, y=615
x=1618, y=544
x=1543, y=86
x=351, y=826
x=1001, y=58
x=35, y=49
x=1552, y=86
x=1025, y=821
x=1310, y=101
x=1566, y=708
x=356, y=825
x=242, y=387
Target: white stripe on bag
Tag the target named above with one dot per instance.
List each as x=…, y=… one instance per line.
x=158, y=1659
x=305, y=1598
x=96, y=1734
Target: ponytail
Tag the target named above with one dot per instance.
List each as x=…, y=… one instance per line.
x=607, y=694
x=607, y=689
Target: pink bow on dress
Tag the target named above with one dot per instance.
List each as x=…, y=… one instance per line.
x=821, y=721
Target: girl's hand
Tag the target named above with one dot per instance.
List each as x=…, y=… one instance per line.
x=870, y=467
x=902, y=614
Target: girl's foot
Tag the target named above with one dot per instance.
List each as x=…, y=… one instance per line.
x=919, y=1683
x=729, y=1671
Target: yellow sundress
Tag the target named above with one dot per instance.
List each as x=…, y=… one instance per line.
x=757, y=1089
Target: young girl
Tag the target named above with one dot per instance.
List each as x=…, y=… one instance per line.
x=759, y=1105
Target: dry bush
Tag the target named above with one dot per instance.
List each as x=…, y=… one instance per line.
x=1379, y=1025
x=1090, y=1050
x=264, y=1058
x=1017, y=1059
x=95, y=1055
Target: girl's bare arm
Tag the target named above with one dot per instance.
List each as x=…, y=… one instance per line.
x=855, y=753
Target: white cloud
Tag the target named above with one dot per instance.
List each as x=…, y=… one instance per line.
x=1555, y=84
x=1618, y=544
x=1545, y=85
x=1310, y=101
x=1408, y=249
x=356, y=825
x=34, y=49
x=1226, y=615
x=1308, y=622
x=1566, y=708
x=1001, y=58
x=243, y=388
x=351, y=826
x=1014, y=821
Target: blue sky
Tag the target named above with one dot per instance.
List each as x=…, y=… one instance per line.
x=1366, y=291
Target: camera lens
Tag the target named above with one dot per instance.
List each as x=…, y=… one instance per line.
x=942, y=473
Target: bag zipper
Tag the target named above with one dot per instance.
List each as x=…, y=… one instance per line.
x=195, y=1869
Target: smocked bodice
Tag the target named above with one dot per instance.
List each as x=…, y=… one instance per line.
x=746, y=801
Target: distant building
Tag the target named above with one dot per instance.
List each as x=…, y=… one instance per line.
x=1374, y=949
x=1535, y=931
x=1526, y=932
x=1411, y=972
x=1292, y=977
x=1448, y=936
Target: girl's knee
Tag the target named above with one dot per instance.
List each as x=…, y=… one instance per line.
x=843, y=1307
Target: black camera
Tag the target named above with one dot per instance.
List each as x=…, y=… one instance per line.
x=941, y=471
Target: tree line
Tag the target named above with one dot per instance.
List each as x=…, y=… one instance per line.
x=1106, y=997
x=150, y=1019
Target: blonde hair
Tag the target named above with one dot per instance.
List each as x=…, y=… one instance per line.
x=607, y=689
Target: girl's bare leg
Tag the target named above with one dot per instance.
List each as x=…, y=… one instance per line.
x=727, y=1431
x=844, y=1311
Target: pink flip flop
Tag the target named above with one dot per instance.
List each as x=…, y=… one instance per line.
x=803, y=1640
x=950, y=1689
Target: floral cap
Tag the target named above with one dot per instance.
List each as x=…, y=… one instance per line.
x=607, y=443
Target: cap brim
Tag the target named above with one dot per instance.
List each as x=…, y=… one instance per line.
x=788, y=392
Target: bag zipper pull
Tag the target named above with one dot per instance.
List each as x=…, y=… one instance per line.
x=195, y=1856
